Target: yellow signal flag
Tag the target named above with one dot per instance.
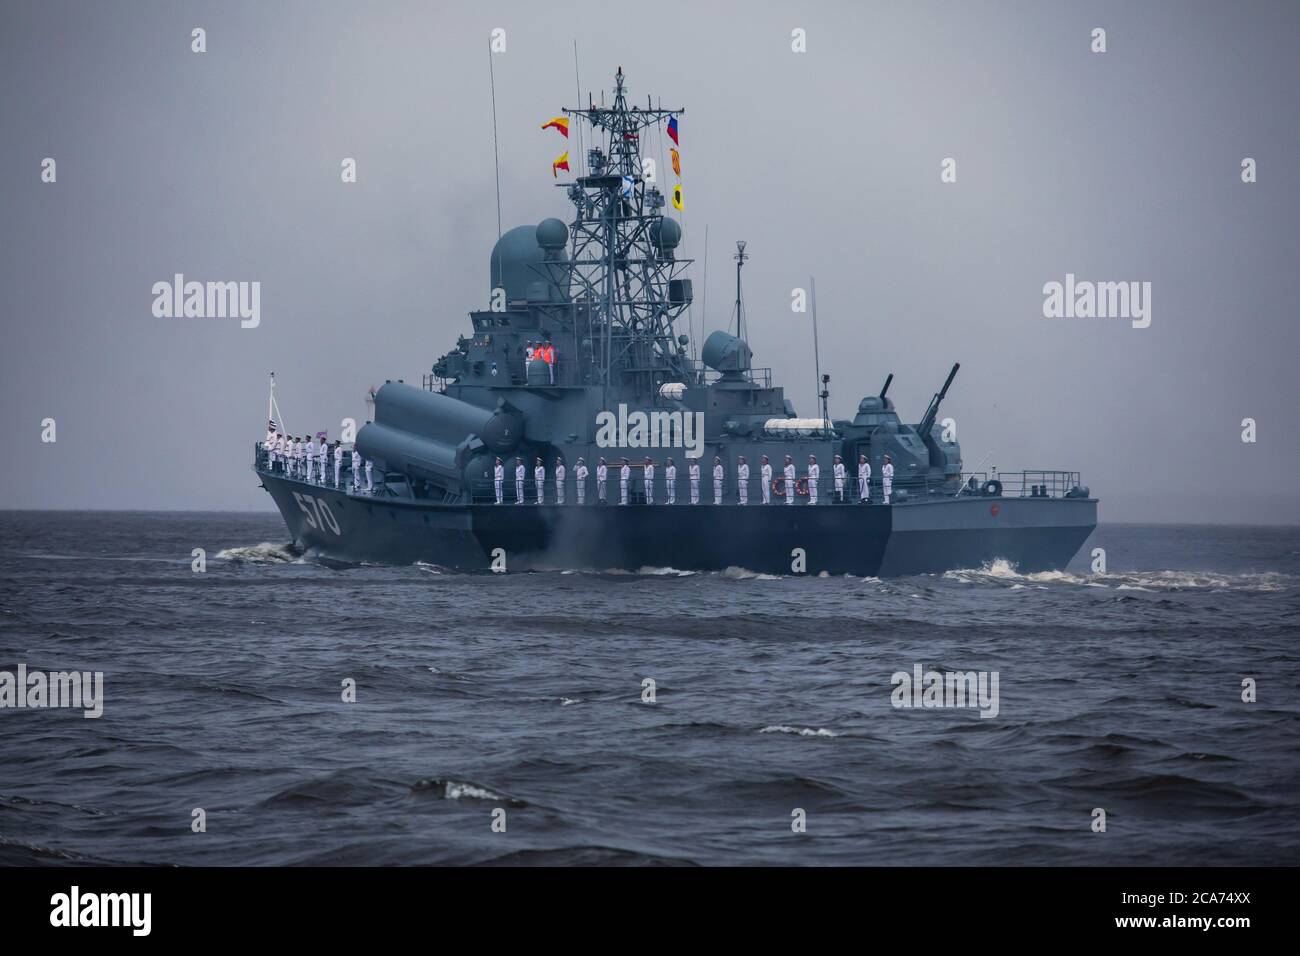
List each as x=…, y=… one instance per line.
x=558, y=122
x=677, y=160
x=561, y=163
x=677, y=198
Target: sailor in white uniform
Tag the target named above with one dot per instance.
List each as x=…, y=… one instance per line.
x=742, y=480
x=499, y=479
x=765, y=473
x=624, y=479
x=322, y=454
x=337, y=451
x=299, y=453
x=717, y=481
x=814, y=475
x=269, y=445
x=539, y=479
x=649, y=473
x=839, y=479
x=670, y=479
x=559, y=481
x=887, y=477
x=789, y=482
x=277, y=452
x=580, y=473
x=519, y=481
x=356, y=469
x=864, y=479
x=693, y=472
x=602, y=481
x=370, y=484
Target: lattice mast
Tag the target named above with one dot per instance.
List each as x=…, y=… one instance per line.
x=622, y=255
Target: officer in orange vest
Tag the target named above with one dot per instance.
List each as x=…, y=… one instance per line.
x=548, y=353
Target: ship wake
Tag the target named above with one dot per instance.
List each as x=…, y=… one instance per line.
x=264, y=553
x=1003, y=573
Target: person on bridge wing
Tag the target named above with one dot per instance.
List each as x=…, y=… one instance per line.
x=887, y=477
x=788, y=484
x=839, y=479
x=693, y=473
x=580, y=474
x=742, y=480
x=519, y=481
x=539, y=478
x=499, y=479
x=670, y=479
x=648, y=472
x=602, y=474
x=559, y=481
x=766, y=473
x=814, y=474
x=548, y=354
x=624, y=479
x=864, y=479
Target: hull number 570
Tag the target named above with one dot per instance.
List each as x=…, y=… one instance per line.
x=317, y=512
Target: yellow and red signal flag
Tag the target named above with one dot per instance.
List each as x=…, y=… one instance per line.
x=561, y=163
x=559, y=122
x=677, y=160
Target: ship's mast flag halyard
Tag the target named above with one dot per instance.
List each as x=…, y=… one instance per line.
x=622, y=263
x=273, y=408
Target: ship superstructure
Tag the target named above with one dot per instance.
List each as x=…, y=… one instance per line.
x=600, y=301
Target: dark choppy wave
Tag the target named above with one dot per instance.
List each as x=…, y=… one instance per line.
x=523, y=692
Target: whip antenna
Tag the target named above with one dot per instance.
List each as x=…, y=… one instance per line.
x=496, y=154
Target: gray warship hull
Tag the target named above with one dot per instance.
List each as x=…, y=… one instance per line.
x=578, y=361
x=918, y=537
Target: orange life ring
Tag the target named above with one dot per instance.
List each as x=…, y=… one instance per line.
x=800, y=487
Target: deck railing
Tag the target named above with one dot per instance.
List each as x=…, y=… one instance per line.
x=1010, y=484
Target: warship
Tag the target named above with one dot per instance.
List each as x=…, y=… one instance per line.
x=608, y=291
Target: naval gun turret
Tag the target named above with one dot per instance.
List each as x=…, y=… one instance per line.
x=919, y=455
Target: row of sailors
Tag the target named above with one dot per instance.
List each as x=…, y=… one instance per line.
x=309, y=459
x=789, y=480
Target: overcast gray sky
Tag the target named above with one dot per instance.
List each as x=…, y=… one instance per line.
x=226, y=166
